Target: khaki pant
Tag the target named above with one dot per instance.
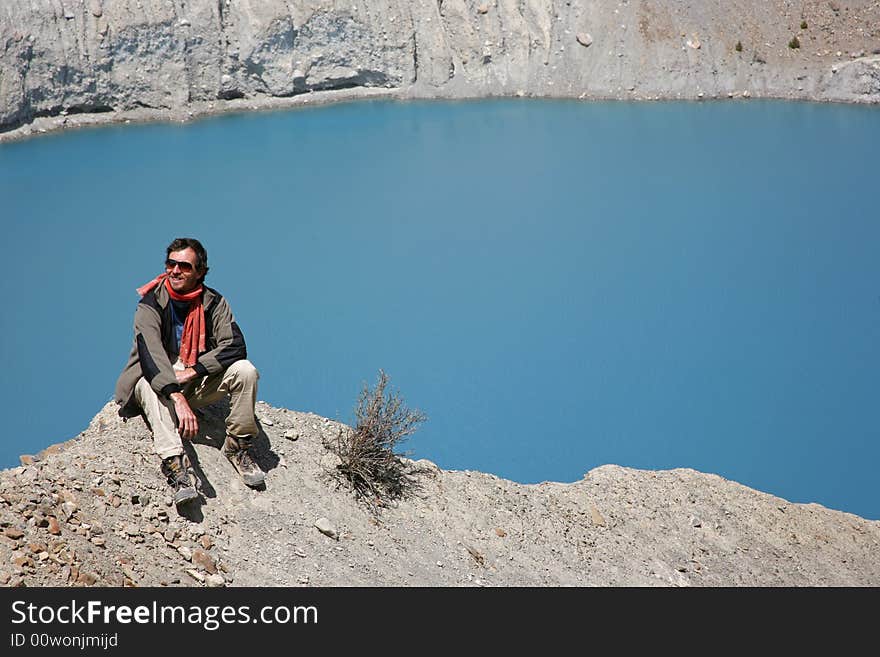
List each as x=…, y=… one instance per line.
x=238, y=381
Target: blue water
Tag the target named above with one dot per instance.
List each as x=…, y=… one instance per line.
x=558, y=285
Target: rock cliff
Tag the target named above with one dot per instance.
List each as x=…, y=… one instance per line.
x=69, y=62
x=94, y=511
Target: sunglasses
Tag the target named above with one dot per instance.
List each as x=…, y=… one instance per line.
x=183, y=264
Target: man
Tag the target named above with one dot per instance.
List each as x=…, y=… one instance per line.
x=188, y=352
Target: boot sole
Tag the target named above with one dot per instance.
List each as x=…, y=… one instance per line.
x=254, y=480
x=185, y=495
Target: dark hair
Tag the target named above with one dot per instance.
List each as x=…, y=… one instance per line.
x=188, y=242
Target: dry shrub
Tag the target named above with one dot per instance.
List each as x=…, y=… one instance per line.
x=367, y=453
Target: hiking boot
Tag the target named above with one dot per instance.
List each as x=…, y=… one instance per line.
x=236, y=450
x=175, y=468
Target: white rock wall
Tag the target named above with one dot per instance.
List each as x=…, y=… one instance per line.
x=72, y=56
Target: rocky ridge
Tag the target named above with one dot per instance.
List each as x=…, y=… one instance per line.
x=94, y=511
x=65, y=63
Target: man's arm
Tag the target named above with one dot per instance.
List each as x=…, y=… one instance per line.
x=157, y=369
x=155, y=364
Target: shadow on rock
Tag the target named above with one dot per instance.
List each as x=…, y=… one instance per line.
x=212, y=433
x=192, y=511
x=262, y=452
x=203, y=484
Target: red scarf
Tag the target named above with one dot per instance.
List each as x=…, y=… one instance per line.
x=192, y=342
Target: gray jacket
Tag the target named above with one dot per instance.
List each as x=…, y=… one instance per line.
x=155, y=346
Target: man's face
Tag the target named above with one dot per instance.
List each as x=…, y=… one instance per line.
x=182, y=272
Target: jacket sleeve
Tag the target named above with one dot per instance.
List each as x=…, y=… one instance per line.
x=155, y=364
x=229, y=340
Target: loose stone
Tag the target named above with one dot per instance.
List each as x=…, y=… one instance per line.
x=204, y=561
x=326, y=527
x=215, y=580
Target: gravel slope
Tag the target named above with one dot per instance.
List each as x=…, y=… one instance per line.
x=94, y=511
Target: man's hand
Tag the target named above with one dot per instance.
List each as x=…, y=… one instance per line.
x=186, y=375
x=188, y=425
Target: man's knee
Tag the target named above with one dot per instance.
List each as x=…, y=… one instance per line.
x=244, y=371
x=142, y=391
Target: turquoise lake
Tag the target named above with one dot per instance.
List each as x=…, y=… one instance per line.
x=557, y=285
